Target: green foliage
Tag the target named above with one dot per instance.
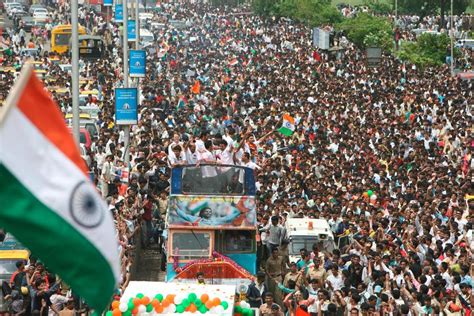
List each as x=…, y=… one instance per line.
x=366, y=30
x=459, y=6
x=263, y=7
x=314, y=12
x=378, y=6
x=432, y=6
x=418, y=7
x=428, y=50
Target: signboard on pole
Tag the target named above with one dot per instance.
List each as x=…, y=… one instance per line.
x=137, y=63
x=374, y=56
x=108, y=3
x=126, y=106
x=118, y=13
x=132, y=30
x=320, y=38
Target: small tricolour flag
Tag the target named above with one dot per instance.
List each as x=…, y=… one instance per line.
x=233, y=62
x=288, y=126
x=181, y=103
x=46, y=198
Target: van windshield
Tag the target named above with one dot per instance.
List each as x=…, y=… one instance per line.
x=299, y=243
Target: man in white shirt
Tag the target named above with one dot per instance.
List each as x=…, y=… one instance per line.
x=106, y=176
x=226, y=156
x=334, y=280
x=191, y=152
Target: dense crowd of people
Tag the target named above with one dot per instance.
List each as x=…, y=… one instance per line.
x=216, y=90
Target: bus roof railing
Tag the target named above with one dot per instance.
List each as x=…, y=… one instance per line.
x=177, y=179
x=211, y=165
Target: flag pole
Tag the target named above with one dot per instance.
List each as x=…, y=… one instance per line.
x=75, y=72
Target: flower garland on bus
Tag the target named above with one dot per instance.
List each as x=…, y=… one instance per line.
x=215, y=258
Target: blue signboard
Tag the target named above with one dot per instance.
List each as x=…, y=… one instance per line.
x=118, y=13
x=132, y=30
x=108, y=3
x=137, y=63
x=126, y=112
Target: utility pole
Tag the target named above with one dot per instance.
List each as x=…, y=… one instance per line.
x=452, y=39
x=137, y=42
x=396, y=24
x=75, y=72
x=126, y=128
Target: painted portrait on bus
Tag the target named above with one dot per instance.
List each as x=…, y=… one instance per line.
x=212, y=211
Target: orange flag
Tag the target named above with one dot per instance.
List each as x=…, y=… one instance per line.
x=196, y=89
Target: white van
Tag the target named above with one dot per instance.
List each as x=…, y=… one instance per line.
x=465, y=43
x=146, y=37
x=305, y=232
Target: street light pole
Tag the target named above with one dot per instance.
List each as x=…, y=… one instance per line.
x=396, y=12
x=126, y=128
x=137, y=41
x=125, y=44
x=75, y=72
x=452, y=39
x=396, y=24
x=137, y=23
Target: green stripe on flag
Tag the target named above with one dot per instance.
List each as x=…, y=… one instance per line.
x=285, y=131
x=62, y=248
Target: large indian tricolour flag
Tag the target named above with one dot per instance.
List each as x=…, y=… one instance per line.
x=46, y=199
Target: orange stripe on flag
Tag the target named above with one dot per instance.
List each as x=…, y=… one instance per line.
x=288, y=118
x=40, y=109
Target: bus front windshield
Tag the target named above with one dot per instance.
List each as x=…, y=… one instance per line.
x=213, y=179
x=62, y=39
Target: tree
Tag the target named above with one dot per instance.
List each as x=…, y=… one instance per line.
x=418, y=7
x=379, y=6
x=459, y=7
x=428, y=50
x=313, y=12
x=428, y=7
x=263, y=7
x=366, y=30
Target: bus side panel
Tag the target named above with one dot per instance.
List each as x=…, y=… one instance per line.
x=176, y=175
x=250, y=182
x=170, y=273
x=217, y=212
x=248, y=261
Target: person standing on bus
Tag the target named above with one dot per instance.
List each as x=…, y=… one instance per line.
x=192, y=176
x=177, y=156
x=209, y=173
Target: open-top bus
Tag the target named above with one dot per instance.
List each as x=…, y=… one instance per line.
x=211, y=224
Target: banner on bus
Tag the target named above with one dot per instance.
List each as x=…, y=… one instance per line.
x=126, y=106
x=108, y=3
x=118, y=13
x=238, y=212
x=132, y=30
x=137, y=63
